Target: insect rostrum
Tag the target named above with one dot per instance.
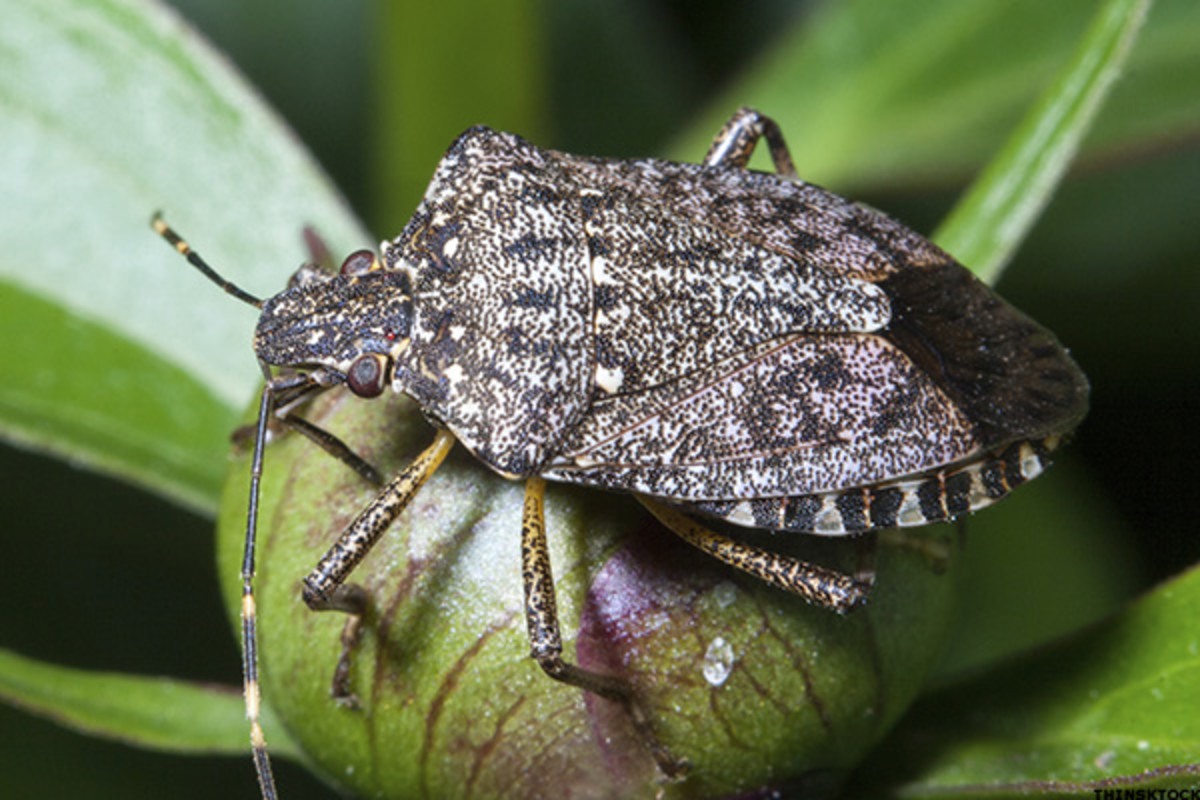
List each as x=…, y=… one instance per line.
x=721, y=343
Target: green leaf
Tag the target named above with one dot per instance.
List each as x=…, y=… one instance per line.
x=128, y=360
x=125, y=410
x=863, y=105
x=1110, y=707
x=984, y=230
x=156, y=713
x=993, y=218
x=423, y=105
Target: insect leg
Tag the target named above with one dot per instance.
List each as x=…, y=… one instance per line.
x=318, y=436
x=319, y=254
x=734, y=143
x=320, y=266
x=325, y=588
x=541, y=615
x=333, y=446
x=815, y=584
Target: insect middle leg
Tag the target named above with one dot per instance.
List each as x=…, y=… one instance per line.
x=541, y=615
x=735, y=142
x=325, y=588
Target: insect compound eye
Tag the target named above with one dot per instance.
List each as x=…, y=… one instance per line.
x=360, y=262
x=367, y=375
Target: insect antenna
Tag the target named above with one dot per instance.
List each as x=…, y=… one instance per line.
x=175, y=240
x=275, y=385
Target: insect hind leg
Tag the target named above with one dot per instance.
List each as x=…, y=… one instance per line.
x=816, y=584
x=735, y=142
x=541, y=616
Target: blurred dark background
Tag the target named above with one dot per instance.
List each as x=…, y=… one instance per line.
x=618, y=78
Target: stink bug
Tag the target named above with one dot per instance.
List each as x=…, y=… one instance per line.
x=718, y=342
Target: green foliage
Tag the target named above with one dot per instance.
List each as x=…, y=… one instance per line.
x=995, y=215
x=1109, y=706
x=111, y=111
x=117, y=356
x=148, y=712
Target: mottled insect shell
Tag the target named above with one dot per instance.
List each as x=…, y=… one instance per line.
x=742, y=344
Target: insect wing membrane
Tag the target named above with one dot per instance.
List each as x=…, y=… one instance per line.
x=795, y=416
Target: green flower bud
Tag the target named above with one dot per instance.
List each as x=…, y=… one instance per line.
x=753, y=687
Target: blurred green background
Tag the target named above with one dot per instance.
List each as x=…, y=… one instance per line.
x=103, y=575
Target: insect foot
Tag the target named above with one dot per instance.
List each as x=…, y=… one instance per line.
x=763, y=364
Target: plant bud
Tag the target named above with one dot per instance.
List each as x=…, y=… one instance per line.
x=758, y=691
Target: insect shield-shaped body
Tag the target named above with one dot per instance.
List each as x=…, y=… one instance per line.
x=720, y=343
x=733, y=344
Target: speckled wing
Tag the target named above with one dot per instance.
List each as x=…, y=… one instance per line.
x=797, y=415
x=955, y=374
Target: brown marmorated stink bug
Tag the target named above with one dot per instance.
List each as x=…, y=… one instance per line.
x=718, y=342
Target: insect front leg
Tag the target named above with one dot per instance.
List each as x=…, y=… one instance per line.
x=325, y=588
x=283, y=415
x=541, y=616
x=332, y=445
x=734, y=143
x=824, y=587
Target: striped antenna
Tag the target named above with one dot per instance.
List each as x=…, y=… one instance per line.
x=175, y=240
x=249, y=613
